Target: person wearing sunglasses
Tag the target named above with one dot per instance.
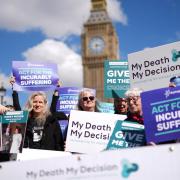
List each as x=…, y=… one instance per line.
x=134, y=105
x=87, y=101
x=120, y=106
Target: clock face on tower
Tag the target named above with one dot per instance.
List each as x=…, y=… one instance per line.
x=96, y=45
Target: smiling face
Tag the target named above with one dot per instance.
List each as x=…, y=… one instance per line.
x=38, y=104
x=87, y=101
x=134, y=104
x=121, y=106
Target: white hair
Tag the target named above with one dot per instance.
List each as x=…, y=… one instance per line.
x=133, y=92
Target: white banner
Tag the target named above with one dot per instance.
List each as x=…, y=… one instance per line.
x=30, y=154
x=89, y=132
x=145, y=163
x=154, y=67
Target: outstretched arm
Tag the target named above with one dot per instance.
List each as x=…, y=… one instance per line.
x=15, y=96
x=55, y=98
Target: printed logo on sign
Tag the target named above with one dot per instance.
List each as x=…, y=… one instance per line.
x=168, y=93
x=73, y=90
x=128, y=168
x=175, y=55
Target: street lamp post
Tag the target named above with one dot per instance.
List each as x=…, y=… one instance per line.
x=2, y=93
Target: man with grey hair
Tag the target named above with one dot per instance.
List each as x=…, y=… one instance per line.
x=134, y=105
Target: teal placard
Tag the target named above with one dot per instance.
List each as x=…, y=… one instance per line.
x=105, y=107
x=15, y=117
x=116, y=78
x=126, y=134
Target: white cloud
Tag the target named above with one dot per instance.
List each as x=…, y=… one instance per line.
x=4, y=81
x=55, y=18
x=69, y=63
x=116, y=12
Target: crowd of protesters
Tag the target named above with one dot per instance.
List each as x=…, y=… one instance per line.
x=43, y=130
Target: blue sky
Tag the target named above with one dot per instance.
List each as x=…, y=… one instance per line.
x=49, y=30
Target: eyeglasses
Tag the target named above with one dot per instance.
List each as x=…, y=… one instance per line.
x=91, y=98
x=134, y=98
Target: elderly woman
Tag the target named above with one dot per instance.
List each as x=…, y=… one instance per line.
x=134, y=104
x=87, y=100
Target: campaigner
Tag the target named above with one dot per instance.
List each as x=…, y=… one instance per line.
x=87, y=101
x=134, y=105
x=43, y=130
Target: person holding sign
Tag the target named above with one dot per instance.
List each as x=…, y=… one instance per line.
x=134, y=105
x=87, y=101
x=43, y=131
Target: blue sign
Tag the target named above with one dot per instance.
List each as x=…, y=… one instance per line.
x=34, y=77
x=68, y=99
x=161, y=112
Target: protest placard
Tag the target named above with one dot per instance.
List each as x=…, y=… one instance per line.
x=161, y=112
x=127, y=134
x=153, y=68
x=68, y=99
x=13, y=131
x=150, y=162
x=34, y=76
x=105, y=107
x=116, y=78
x=89, y=132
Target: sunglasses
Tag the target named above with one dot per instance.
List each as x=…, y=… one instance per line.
x=91, y=98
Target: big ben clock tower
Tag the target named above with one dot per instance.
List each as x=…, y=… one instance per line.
x=99, y=43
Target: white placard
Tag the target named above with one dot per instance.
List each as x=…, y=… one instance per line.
x=145, y=163
x=31, y=154
x=89, y=132
x=152, y=68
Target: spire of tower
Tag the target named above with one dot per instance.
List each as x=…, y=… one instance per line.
x=97, y=5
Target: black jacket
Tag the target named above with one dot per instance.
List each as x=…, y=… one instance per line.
x=52, y=136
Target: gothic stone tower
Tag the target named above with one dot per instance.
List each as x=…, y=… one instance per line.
x=99, y=42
